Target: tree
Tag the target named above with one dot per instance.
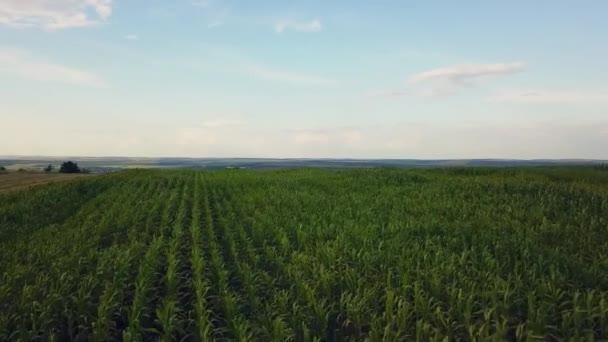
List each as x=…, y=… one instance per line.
x=2, y=169
x=69, y=167
x=48, y=168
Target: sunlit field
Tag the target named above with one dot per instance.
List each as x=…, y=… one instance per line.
x=17, y=180
x=304, y=255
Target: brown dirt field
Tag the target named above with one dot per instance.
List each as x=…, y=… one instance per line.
x=15, y=180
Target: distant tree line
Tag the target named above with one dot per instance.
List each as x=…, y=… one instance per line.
x=68, y=167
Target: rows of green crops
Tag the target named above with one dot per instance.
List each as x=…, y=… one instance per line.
x=305, y=255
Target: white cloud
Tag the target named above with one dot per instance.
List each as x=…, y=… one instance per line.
x=102, y=7
x=131, y=36
x=55, y=14
x=22, y=64
x=299, y=26
x=450, y=79
x=464, y=73
x=539, y=96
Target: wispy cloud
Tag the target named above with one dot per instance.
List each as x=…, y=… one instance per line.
x=236, y=62
x=540, y=96
x=459, y=74
x=268, y=73
x=450, y=79
x=54, y=15
x=131, y=36
x=222, y=60
x=216, y=12
x=215, y=23
x=286, y=24
x=22, y=64
x=230, y=62
x=340, y=135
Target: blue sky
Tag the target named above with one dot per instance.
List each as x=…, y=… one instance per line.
x=362, y=79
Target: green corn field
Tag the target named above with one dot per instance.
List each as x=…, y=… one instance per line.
x=467, y=254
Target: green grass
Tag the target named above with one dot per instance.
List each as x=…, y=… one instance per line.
x=376, y=254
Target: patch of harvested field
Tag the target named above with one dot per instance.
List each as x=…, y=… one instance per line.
x=15, y=181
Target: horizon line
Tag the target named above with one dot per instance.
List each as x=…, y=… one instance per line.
x=296, y=158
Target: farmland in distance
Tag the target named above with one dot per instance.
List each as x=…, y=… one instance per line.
x=308, y=254
x=18, y=180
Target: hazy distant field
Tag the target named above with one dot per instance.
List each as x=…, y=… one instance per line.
x=17, y=180
x=110, y=164
x=366, y=254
